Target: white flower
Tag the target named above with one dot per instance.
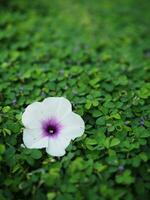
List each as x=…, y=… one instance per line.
x=51, y=124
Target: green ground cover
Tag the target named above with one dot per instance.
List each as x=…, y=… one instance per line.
x=97, y=54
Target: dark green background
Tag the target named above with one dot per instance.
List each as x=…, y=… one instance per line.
x=97, y=54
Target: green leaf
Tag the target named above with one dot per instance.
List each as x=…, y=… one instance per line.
x=143, y=156
x=100, y=121
x=2, y=148
x=144, y=92
x=90, y=141
x=126, y=178
x=88, y=104
x=36, y=154
x=100, y=167
x=114, y=142
x=51, y=195
x=6, y=109
x=115, y=116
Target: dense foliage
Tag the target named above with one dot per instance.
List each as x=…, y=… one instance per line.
x=97, y=54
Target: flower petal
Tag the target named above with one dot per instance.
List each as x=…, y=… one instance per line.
x=55, y=147
x=57, y=107
x=33, y=115
x=73, y=126
x=33, y=138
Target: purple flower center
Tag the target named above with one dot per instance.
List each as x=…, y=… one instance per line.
x=51, y=127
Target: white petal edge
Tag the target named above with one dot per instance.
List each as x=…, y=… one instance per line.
x=33, y=139
x=33, y=115
x=74, y=126
x=56, y=147
x=58, y=107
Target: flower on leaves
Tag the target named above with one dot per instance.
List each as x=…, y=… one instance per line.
x=51, y=124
